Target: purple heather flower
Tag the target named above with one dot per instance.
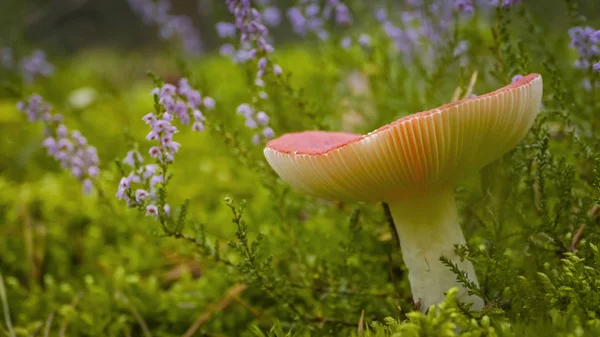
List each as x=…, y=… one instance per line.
x=132, y=157
x=152, y=135
x=253, y=32
x=461, y=48
x=262, y=118
x=262, y=63
x=581, y=64
x=149, y=118
x=251, y=123
x=151, y=210
x=73, y=153
x=62, y=131
x=312, y=10
x=516, y=78
x=245, y=110
x=194, y=98
x=168, y=102
x=179, y=26
x=263, y=95
x=346, y=42
x=168, y=90
x=424, y=32
x=167, y=209
x=277, y=70
x=504, y=3
x=209, y=102
x=227, y=49
x=156, y=180
x=198, y=116
x=35, y=108
x=464, y=6
x=141, y=195
x=88, y=186
x=50, y=144
x=310, y=17
x=585, y=40
x=225, y=29
x=172, y=146
x=323, y=35
x=161, y=125
x=78, y=138
x=134, y=178
x=76, y=172
x=180, y=109
x=149, y=170
x=198, y=126
x=268, y=133
x=35, y=65
x=364, y=40
x=256, y=139
x=124, y=183
x=272, y=16
x=342, y=14
x=65, y=144
x=167, y=116
x=297, y=20
x=155, y=152
x=93, y=171
x=381, y=15
x=122, y=194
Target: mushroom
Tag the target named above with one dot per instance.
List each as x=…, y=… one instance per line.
x=413, y=164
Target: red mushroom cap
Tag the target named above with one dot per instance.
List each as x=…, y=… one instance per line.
x=416, y=153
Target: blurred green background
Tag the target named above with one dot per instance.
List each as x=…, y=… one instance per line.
x=100, y=269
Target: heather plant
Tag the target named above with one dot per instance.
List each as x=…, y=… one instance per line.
x=136, y=199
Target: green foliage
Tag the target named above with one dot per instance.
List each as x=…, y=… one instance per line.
x=279, y=263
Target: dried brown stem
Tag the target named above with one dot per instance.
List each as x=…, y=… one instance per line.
x=223, y=303
x=390, y=220
x=577, y=238
x=361, y=324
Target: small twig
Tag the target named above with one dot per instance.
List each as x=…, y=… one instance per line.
x=390, y=220
x=361, y=324
x=11, y=331
x=593, y=213
x=232, y=293
x=49, y=323
x=471, y=85
x=576, y=238
x=456, y=94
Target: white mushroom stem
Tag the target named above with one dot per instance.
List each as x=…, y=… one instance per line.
x=428, y=228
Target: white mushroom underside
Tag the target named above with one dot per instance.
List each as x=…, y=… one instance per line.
x=419, y=153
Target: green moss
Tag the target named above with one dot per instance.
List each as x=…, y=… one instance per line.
x=88, y=266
